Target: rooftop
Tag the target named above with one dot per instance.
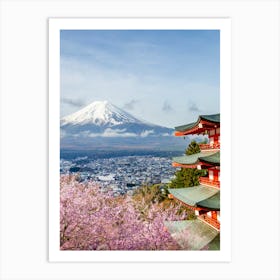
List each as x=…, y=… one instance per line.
x=210, y=120
x=194, y=234
x=210, y=157
x=213, y=159
x=198, y=196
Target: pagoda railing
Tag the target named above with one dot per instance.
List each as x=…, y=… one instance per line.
x=206, y=181
x=209, y=220
x=212, y=146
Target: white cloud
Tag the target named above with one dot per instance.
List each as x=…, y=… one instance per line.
x=130, y=105
x=113, y=133
x=167, y=107
x=146, y=133
x=117, y=133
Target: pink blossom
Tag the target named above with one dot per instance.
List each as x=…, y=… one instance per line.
x=91, y=219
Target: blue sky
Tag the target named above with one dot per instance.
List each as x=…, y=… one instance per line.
x=167, y=77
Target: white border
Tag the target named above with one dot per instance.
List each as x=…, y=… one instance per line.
x=55, y=25
x=255, y=97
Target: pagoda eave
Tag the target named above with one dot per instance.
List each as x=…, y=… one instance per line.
x=200, y=127
x=195, y=130
x=202, y=159
x=195, y=165
x=210, y=221
x=208, y=183
x=176, y=164
x=171, y=196
x=200, y=197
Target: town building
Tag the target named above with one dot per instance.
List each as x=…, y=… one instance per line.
x=204, y=199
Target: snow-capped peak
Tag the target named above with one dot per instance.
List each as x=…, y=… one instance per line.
x=99, y=113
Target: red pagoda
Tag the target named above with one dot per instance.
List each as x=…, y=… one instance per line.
x=204, y=199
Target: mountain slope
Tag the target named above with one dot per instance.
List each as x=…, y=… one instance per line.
x=102, y=119
x=100, y=113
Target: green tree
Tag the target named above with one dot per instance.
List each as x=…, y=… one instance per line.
x=186, y=177
x=193, y=148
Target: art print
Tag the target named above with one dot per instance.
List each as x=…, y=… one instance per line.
x=140, y=138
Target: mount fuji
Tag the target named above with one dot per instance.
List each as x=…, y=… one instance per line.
x=100, y=113
x=102, y=124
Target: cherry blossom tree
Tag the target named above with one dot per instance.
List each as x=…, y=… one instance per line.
x=94, y=219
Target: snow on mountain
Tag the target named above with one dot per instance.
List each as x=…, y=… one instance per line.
x=103, y=119
x=101, y=113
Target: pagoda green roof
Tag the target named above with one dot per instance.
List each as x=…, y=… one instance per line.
x=194, y=234
x=185, y=127
x=198, y=196
x=212, y=118
x=211, y=157
x=214, y=244
x=212, y=202
x=215, y=118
